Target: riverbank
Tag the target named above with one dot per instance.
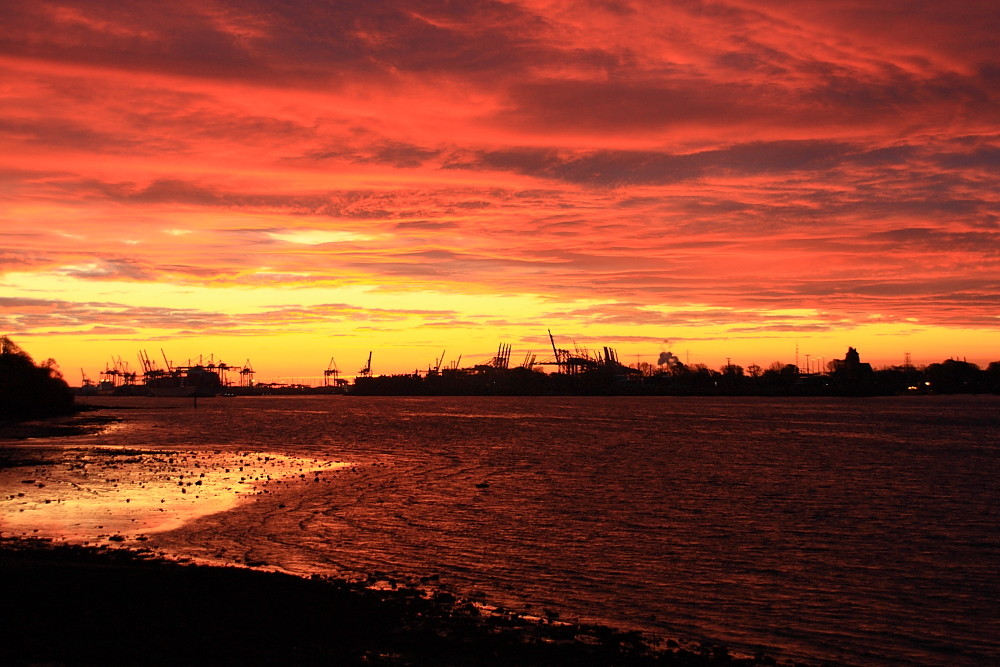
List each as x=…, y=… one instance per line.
x=73, y=605
x=79, y=421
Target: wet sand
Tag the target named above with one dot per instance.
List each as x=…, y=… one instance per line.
x=92, y=494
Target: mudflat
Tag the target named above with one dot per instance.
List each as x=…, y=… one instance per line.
x=76, y=605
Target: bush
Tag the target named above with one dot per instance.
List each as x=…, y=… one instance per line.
x=29, y=391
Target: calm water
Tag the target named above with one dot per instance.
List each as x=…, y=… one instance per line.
x=855, y=531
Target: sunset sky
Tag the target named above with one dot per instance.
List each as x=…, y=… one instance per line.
x=290, y=182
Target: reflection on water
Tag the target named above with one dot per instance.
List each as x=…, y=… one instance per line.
x=861, y=531
x=124, y=494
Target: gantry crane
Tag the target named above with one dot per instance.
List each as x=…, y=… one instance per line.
x=331, y=372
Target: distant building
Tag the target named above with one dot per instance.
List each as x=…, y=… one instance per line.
x=851, y=364
x=851, y=377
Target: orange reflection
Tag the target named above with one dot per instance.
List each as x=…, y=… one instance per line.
x=119, y=495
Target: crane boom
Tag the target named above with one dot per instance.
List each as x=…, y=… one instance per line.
x=367, y=370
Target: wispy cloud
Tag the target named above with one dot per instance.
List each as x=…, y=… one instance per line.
x=743, y=158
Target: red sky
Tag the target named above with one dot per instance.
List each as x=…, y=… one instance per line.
x=294, y=181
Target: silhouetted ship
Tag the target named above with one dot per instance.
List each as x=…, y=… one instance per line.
x=185, y=381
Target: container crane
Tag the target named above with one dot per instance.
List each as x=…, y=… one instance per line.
x=331, y=372
x=366, y=372
x=502, y=360
x=170, y=367
x=246, y=375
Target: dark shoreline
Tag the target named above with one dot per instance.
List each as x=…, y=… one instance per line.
x=73, y=605
x=76, y=422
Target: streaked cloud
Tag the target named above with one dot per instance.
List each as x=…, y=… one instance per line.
x=701, y=167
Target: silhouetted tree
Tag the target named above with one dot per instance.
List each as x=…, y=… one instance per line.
x=732, y=370
x=953, y=377
x=28, y=391
x=779, y=378
x=647, y=369
x=993, y=377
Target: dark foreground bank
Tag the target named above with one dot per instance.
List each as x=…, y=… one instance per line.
x=77, y=422
x=81, y=606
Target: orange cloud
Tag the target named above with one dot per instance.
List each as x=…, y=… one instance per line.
x=706, y=167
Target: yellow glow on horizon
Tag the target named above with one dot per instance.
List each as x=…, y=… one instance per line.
x=318, y=236
x=405, y=333
x=288, y=208
x=408, y=329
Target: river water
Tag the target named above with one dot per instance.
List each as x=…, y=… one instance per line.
x=849, y=531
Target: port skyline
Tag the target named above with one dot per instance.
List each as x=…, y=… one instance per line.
x=543, y=361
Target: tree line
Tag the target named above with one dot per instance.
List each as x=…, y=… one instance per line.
x=951, y=376
x=29, y=390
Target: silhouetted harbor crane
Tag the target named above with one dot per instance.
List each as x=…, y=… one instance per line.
x=502, y=360
x=529, y=361
x=366, y=372
x=331, y=372
x=246, y=375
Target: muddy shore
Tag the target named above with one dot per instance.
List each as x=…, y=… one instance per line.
x=73, y=605
x=80, y=421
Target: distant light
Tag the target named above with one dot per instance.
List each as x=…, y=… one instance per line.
x=927, y=383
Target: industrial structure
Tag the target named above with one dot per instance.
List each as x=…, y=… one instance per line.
x=573, y=371
x=190, y=379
